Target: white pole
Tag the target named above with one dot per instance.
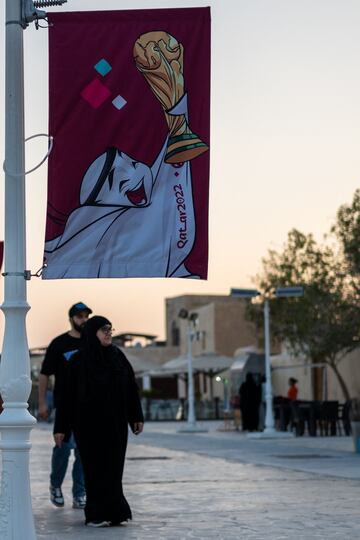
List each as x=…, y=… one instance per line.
x=226, y=395
x=191, y=403
x=16, y=519
x=269, y=417
x=191, y=426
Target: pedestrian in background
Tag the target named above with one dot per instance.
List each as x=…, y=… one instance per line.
x=101, y=400
x=262, y=405
x=250, y=397
x=293, y=389
x=57, y=355
x=235, y=404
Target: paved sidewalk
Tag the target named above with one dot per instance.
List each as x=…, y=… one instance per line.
x=217, y=485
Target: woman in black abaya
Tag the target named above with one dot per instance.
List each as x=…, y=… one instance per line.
x=98, y=402
x=250, y=398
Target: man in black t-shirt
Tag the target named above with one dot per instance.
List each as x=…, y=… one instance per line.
x=58, y=353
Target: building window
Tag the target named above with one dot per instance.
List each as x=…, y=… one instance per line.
x=175, y=335
x=203, y=339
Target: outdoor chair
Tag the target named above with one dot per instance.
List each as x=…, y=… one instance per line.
x=316, y=415
x=297, y=419
x=344, y=416
x=282, y=411
x=329, y=418
x=303, y=416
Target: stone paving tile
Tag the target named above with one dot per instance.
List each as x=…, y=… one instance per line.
x=181, y=495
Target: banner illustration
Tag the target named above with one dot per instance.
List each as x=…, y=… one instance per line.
x=128, y=176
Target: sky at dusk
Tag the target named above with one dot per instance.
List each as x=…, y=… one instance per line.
x=285, y=136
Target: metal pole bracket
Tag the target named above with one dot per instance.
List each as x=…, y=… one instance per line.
x=30, y=13
x=26, y=274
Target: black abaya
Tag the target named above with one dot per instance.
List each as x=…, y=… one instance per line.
x=250, y=398
x=100, y=400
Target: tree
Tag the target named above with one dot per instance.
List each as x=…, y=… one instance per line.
x=347, y=229
x=323, y=325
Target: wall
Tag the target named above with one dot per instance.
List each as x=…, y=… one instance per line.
x=221, y=325
x=191, y=302
x=349, y=368
x=283, y=368
x=231, y=328
x=221, y=328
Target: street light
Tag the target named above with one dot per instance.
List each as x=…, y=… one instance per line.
x=16, y=519
x=192, y=319
x=286, y=292
x=280, y=292
x=225, y=382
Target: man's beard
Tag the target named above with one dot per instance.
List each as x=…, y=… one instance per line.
x=77, y=327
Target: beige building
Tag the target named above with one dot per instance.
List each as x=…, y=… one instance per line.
x=221, y=326
x=220, y=329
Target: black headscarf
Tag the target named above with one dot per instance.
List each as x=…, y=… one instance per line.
x=100, y=360
x=89, y=330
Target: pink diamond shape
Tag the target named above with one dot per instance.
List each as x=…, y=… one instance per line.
x=95, y=93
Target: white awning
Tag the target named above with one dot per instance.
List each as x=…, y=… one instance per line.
x=210, y=363
x=139, y=365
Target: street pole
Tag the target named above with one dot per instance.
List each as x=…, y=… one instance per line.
x=269, y=416
x=226, y=395
x=191, y=401
x=16, y=423
x=269, y=430
x=191, y=426
x=16, y=519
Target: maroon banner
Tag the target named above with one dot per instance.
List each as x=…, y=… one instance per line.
x=1, y=253
x=129, y=110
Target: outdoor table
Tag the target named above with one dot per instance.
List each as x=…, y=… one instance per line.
x=304, y=412
x=282, y=410
x=329, y=417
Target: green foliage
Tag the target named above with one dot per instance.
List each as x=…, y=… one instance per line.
x=323, y=325
x=347, y=229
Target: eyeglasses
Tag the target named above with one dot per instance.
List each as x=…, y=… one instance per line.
x=107, y=329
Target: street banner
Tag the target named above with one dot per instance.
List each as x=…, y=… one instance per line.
x=1, y=253
x=128, y=176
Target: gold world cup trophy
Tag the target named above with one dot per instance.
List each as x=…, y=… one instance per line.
x=159, y=57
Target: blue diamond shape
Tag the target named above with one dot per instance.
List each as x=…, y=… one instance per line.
x=103, y=67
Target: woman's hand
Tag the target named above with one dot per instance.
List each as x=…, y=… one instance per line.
x=58, y=438
x=138, y=427
x=43, y=411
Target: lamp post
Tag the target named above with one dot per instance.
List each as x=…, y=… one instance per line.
x=281, y=292
x=16, y=519
x=225, y=382
x=191, y=426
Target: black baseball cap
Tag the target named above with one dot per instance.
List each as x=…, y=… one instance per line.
x=76, y=308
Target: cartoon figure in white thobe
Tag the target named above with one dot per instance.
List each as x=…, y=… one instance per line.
x=133, y=220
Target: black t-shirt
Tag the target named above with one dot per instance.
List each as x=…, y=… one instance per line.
x=57, y=355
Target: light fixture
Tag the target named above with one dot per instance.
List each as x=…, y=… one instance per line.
x=192, y=319
x=280, y=292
